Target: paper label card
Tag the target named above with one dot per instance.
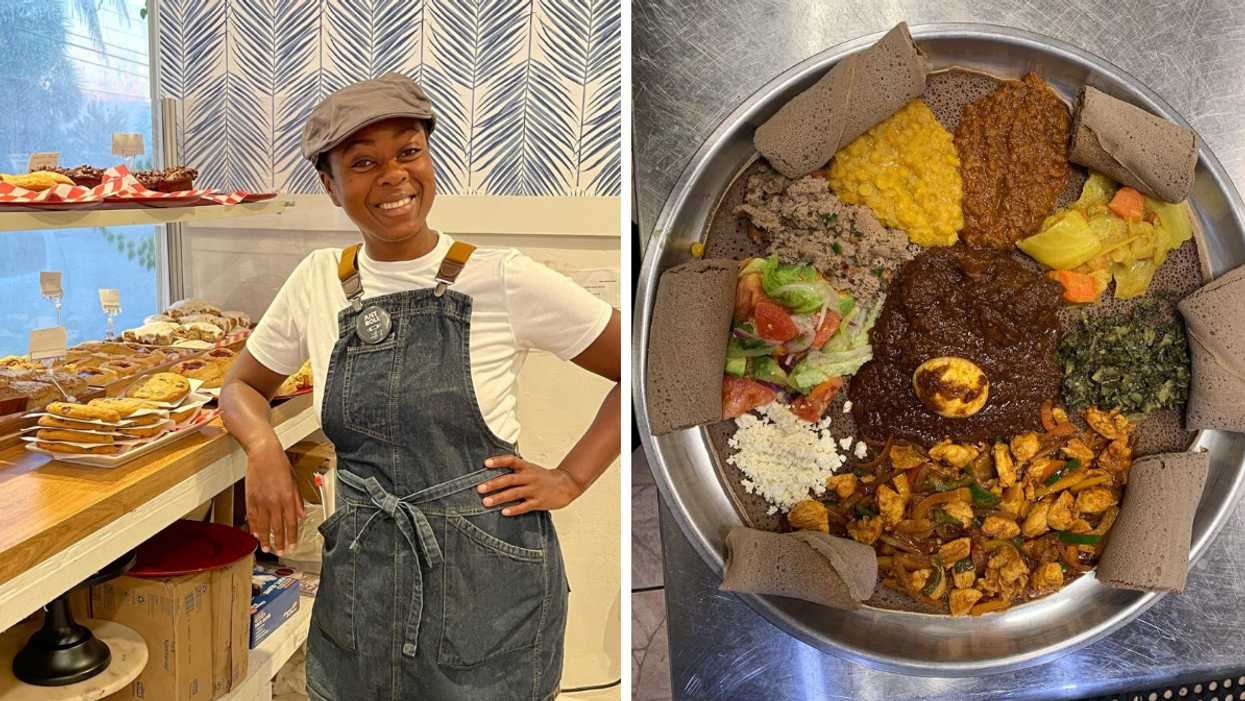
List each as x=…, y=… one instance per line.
x=43, y=161
x=127, y=144
x=48, y=343
x=50, y=285
x=110, y=300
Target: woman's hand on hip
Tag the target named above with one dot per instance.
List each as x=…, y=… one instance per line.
x=534, y=487
x=273, y=502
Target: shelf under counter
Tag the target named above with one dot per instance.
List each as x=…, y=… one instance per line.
x=37, y=220
x=60, y=523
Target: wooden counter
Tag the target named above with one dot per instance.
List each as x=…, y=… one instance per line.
x=59, y=522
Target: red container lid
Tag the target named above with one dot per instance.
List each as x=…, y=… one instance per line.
x=190, y=547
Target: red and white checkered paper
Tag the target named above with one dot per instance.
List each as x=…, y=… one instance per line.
x=118, y=187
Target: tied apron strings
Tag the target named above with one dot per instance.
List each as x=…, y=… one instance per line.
x=415, y=528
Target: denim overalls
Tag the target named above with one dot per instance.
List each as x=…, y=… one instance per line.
x=425, y=593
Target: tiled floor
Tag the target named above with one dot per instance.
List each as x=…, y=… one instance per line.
x=650, y=654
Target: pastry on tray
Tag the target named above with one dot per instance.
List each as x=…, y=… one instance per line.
x=98, y=376
x=160, y=387
x=82, y=176
x=191, y=307
x=239, y=319
x=298, y=381
x=212, y=373
x=160, y=318
x=124, y=367
x=199, y=331
x=226, y=324
x=160, y=334
x=106, y=347
x=17, y=361
x=37, y=181
x=174, y=179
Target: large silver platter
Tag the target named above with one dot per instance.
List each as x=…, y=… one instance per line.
x=683, y=462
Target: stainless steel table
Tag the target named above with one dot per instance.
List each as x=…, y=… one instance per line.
x=693, y=62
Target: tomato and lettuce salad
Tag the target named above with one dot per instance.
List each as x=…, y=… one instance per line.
x=794, y=339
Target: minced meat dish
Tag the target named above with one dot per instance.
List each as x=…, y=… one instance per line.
x=803, y=222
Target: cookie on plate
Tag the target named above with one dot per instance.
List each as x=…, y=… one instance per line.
x=102, y=449
x=181, y=417
x=61, y=434
x=90, y=412
x=124, y=406
x=57, y=422
x=141, y=432
x=160, y=387
x=200, y=369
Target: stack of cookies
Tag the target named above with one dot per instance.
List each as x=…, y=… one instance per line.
x=153, y=406
x=100, y=427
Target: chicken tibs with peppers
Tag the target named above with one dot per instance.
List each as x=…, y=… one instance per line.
x=977, y=528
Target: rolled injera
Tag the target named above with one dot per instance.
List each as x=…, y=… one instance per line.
x=860, y=91
x=1214, y=317
x=687, y=344
x=807, y=565
x=1132, y=146
x=1148, y=547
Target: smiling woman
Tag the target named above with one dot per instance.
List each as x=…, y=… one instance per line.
x=415, y=342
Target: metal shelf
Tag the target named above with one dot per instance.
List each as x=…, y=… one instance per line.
x=88, y=218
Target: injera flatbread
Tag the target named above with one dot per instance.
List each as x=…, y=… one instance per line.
x=860, y=91
x=1214, y=316
x=947, y=92
x=1148, y=547
x=804, y=565
x=1132, y=146
x=687, y=344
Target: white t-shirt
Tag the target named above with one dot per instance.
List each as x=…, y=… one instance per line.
x=517, y=305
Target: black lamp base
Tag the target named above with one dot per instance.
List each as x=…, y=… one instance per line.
x=63, y=651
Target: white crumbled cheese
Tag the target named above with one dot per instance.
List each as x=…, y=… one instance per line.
x=847, y=406
x=845, y=443
x=861, y=450
x=782, y=457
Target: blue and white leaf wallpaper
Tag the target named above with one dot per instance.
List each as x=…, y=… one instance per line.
x=527, y=92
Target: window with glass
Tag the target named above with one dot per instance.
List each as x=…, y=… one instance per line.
x=76, y=71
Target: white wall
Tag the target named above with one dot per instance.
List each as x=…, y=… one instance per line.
x=242, y=268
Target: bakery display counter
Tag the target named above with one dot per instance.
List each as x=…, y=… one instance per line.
x=61, y=522
x=36, y=220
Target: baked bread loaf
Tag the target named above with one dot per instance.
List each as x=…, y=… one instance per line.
x=160, y=387
x=77, y=436
x=89, y=412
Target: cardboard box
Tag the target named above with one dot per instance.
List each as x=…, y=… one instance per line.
x=196, y=627
x=274, y=600
x=310, y=458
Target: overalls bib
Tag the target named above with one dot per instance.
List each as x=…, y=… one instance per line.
x=425, y=593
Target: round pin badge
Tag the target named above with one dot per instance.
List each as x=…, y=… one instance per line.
x=373, y=325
